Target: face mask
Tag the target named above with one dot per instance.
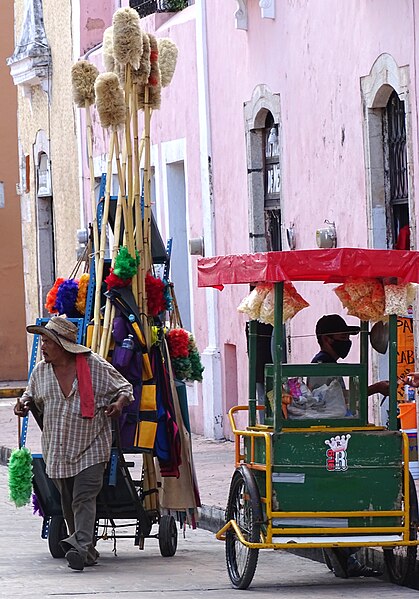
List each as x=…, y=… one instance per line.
x=342, y=347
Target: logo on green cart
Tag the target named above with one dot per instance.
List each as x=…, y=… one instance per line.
x=336, y=454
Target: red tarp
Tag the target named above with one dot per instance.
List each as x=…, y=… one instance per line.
x=330, y=266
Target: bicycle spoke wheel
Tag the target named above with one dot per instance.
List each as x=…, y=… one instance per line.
x=243, y=506
x=400, y=561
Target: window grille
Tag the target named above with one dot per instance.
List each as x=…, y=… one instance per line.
x=149, y=7
x=272, y=178
x=396, y=165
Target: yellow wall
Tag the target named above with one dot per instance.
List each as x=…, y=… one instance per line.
x=13, y=363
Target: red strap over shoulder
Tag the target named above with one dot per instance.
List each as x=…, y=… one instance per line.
x=84, y=377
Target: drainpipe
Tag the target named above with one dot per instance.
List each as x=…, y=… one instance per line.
x=211, y=358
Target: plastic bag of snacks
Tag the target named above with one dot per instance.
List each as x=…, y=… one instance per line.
x=251, y=304
x=293, y=302
x=260, y=303
x=398, y=298
x=363, y=298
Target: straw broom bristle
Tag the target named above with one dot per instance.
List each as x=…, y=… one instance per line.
x=168, y=53
x=142, y=74
x=83, y=77
x=110, y=101
x=108, y=57
x=127, y=37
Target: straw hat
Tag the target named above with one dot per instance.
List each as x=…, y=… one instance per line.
x=62, y=331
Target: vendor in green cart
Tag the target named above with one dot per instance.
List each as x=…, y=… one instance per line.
x=334, y=338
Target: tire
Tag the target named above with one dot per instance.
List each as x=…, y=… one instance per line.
x=57, y=531
x=167, y=536
x=400, y=561
x=244, y=507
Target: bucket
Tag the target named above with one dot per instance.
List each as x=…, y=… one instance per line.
x=407, y=415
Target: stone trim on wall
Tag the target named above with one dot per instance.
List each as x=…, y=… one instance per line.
x=262, y=102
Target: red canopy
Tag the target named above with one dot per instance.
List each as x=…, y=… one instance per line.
x=331, y=266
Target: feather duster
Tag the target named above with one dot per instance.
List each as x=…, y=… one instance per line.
x=112, y=280
x=66, y=298
x=196, y=366
x=83, y=77
x=110, y=101
x=82, y=293
x=154, y=80
x=142, y=74
x=125, y=265
x=50, y=301
x=36, y=507
x=168, y=54
x=20, y=476
x=178, y=342
x=156, y=302
x=127, y=37
x=182, y=368
x=108, y=55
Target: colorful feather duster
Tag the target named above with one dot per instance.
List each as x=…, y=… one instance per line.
x=20, y=476
x=113, y=281
x=156, y=302
x=125, y=265
x=82, y=293
x=50, y=302
x=66, y=298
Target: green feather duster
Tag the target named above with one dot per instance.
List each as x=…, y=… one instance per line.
x=125, y=265
x=20, y=476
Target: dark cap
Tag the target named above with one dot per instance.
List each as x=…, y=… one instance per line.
x=333, y=323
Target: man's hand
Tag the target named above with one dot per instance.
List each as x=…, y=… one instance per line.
x=114, y=410
x=411, y=379
x=382, y=387
x=22, y=407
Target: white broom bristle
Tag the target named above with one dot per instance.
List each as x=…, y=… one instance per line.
x=83, y=77
x=110, y=101
x=127, y=37
x=108, y=57
x=142, y=74
x=168, y=53
x=154, y=97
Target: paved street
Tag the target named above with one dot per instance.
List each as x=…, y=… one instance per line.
x=197, y=570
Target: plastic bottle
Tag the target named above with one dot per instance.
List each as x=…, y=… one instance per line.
x=128, y=342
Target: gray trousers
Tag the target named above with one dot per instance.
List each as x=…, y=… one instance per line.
x=78, y=502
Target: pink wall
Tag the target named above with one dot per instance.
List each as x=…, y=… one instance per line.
x=313, y=54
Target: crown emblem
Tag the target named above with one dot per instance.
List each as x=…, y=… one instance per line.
x=338, y=443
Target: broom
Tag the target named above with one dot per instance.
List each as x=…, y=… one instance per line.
x=111, y=109
x=83, y=77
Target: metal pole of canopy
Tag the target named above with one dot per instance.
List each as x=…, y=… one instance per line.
x=277, y=357
x=252, y=344
x=392, y=417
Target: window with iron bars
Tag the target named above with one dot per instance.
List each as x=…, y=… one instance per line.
x=149, y=7
x=272, y=185
x=395, y=159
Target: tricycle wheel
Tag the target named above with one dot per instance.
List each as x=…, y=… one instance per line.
x=243, y=506
x=400, y=561
x=167, y=536
x=57, y=531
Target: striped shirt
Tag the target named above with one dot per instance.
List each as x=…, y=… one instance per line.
x=71, y=443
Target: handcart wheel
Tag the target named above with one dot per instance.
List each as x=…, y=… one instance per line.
x=244, y=507
x=57, y=531
x=167, y=536
x=400, y=561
